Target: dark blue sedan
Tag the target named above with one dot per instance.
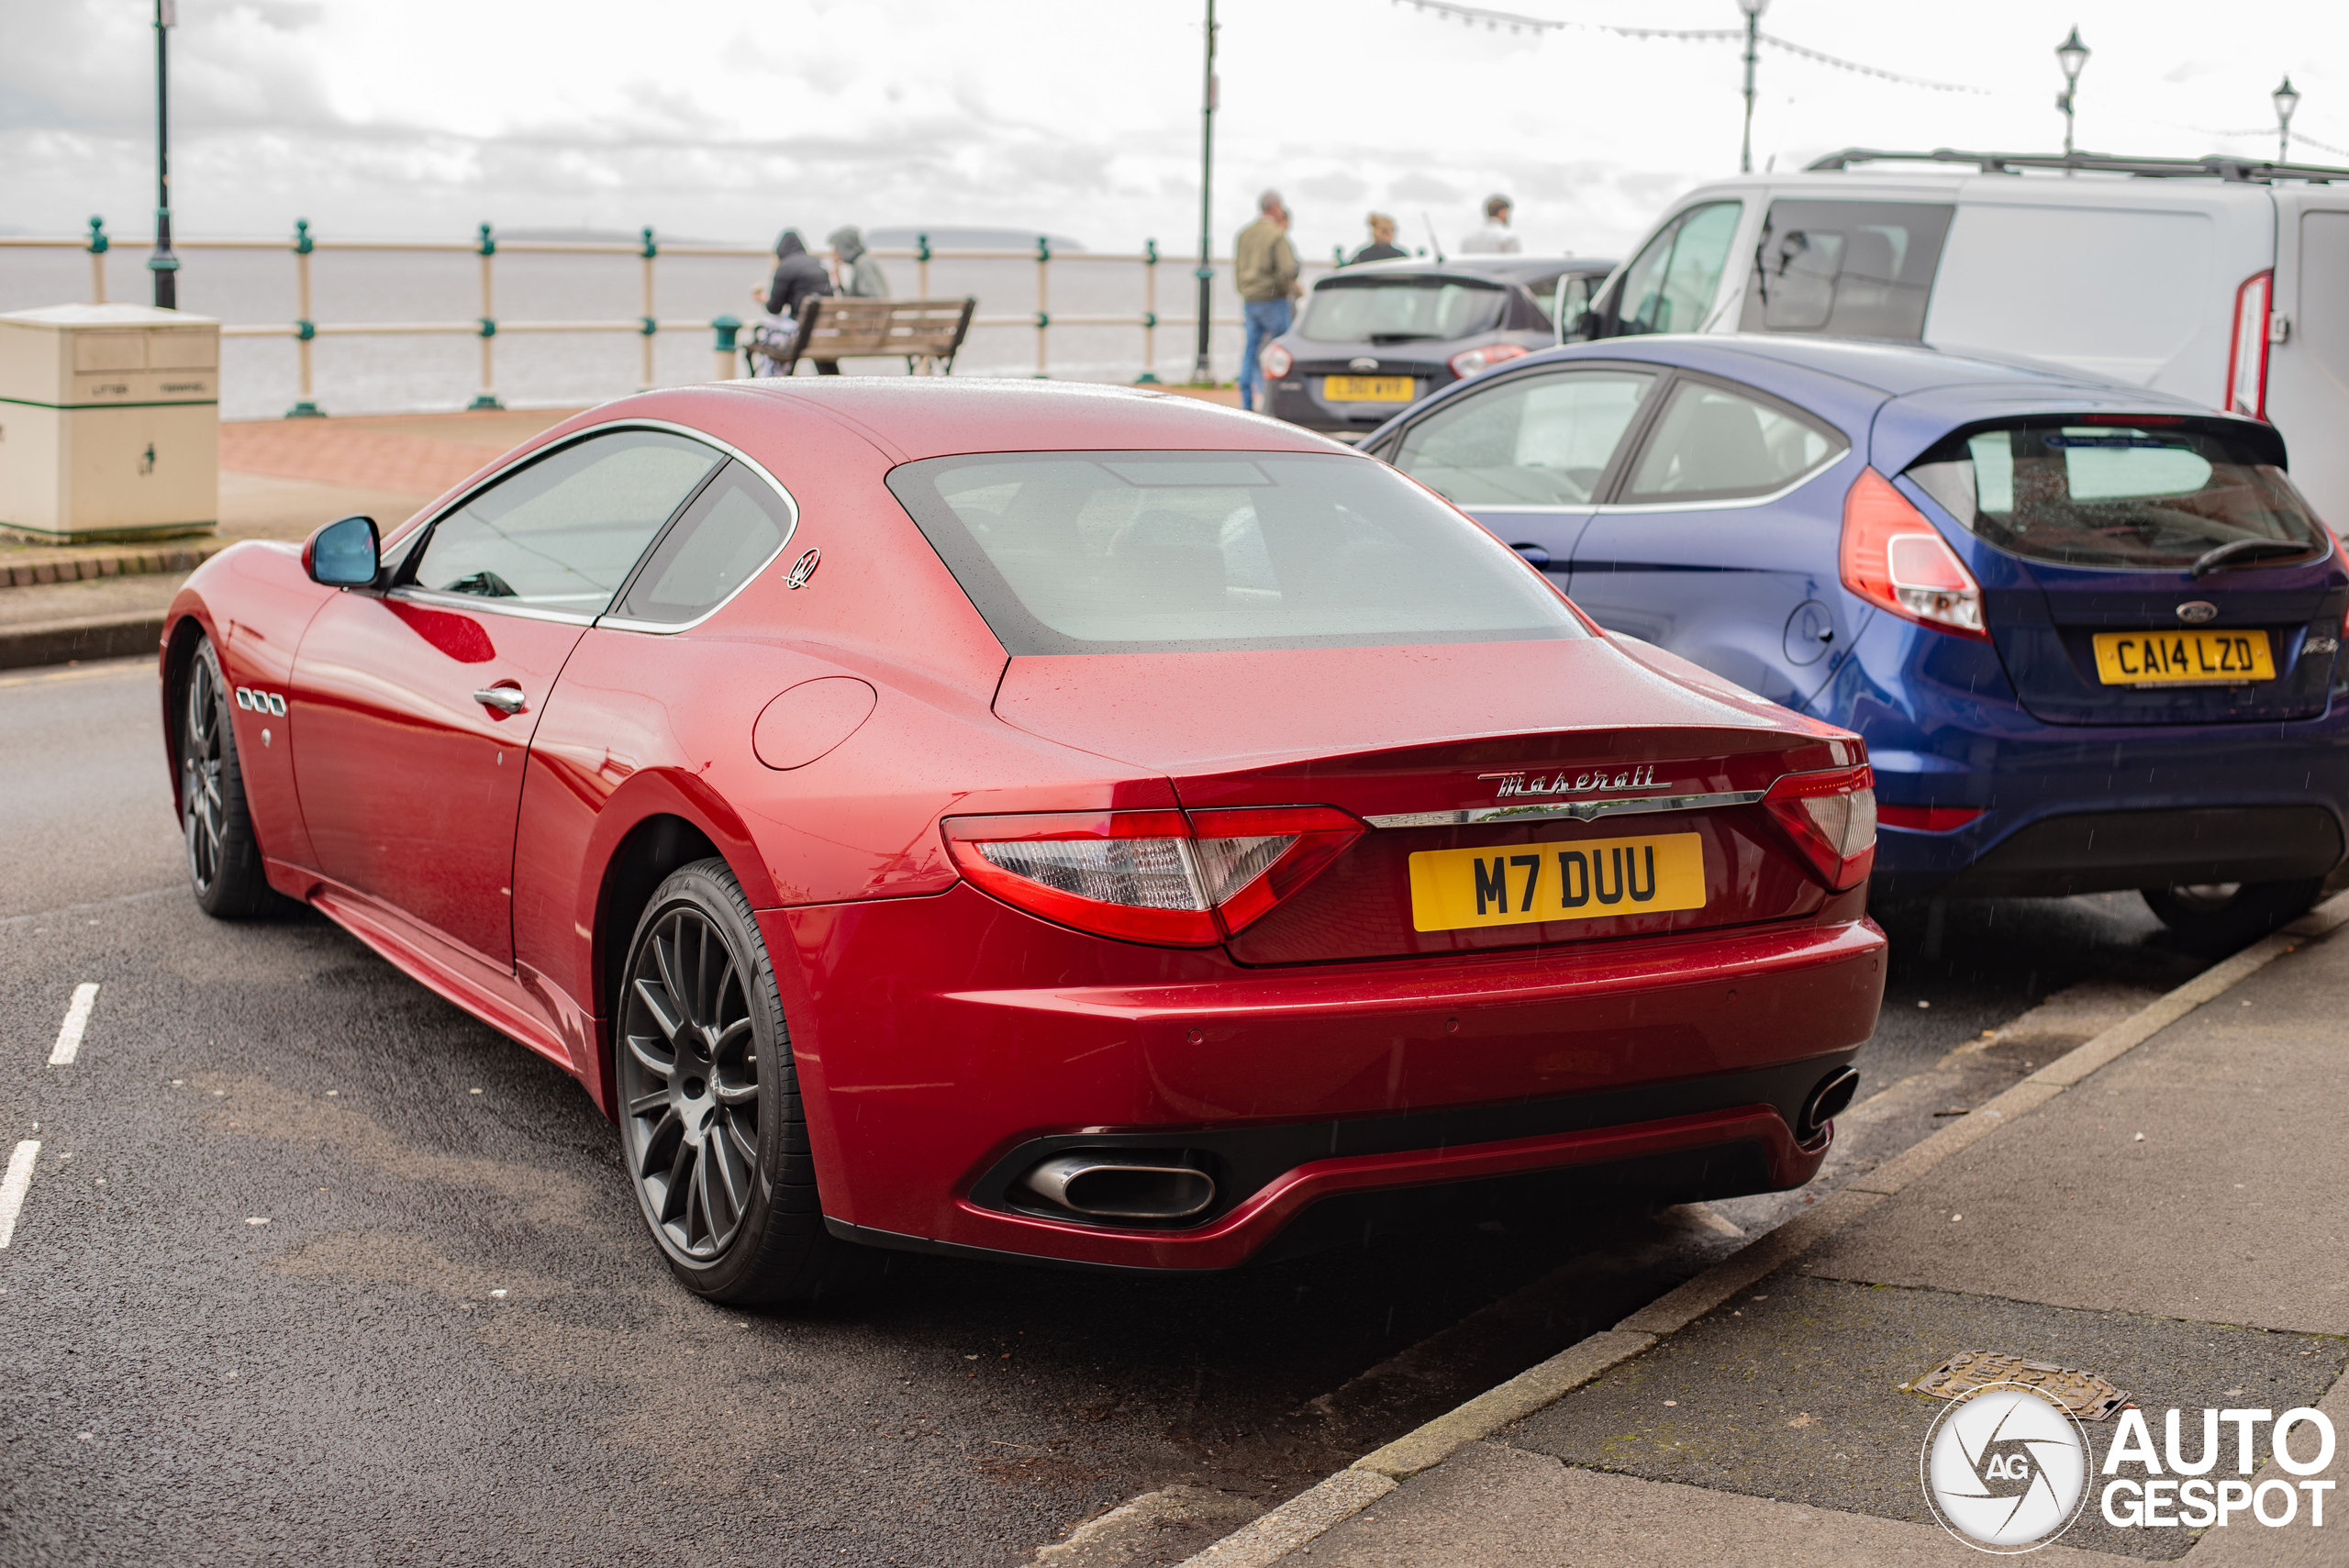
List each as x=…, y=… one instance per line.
x=2091, y=633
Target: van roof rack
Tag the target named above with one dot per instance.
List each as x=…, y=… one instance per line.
x=2216, y=166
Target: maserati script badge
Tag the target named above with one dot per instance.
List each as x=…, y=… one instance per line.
x=1562, y=782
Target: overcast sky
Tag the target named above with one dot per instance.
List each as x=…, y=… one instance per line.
x=422, y=117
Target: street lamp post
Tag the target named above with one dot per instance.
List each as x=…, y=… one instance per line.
x=1202, y=368
x=2071, y=54
x=2287, y=100
x=162, y=263
x=1752, y=9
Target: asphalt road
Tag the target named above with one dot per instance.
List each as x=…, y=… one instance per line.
x=315, y=1267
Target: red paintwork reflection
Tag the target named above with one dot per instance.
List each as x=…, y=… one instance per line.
x=462, y=638
x=815, y=739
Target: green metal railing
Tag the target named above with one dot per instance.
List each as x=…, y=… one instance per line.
x=305, y=330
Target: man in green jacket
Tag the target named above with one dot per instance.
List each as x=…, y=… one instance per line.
x=1265, y=266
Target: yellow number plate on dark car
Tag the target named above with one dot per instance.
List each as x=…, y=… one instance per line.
x=1368, y=388
x=1452, y=889
x=2182, y=658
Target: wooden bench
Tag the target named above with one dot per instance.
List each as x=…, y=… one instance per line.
x=839, y=327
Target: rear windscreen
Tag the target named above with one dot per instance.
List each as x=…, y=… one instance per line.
x=2157, y=496
x=1117, y=553
x=1399, y=310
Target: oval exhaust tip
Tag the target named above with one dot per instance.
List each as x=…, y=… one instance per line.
x=1107, y=1185
x=1830, y=1099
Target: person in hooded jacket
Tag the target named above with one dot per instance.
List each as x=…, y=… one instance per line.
x=860, y=275
x=798, y=277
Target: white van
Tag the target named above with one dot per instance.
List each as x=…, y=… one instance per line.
x=2217, y=278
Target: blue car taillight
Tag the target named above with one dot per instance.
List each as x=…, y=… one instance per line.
x=1897, y=561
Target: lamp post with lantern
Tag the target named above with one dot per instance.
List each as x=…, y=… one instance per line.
x=1752, y=9
x=2286, y=101
x=2071, y=54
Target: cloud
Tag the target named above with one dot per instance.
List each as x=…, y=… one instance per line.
x=1420, y=187
x=425, y=116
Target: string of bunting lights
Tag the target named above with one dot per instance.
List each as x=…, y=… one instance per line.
x=1449, y=10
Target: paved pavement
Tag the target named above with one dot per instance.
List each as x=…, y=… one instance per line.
x=280, y=479
x=2173, y=1221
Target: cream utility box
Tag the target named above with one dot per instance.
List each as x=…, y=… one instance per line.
x=109, y=423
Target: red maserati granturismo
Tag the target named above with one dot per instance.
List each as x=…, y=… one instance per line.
x=1016, y=820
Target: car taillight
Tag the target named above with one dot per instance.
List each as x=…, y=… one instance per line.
x=1150, y=876
x=1830, y=816
x=2247, y=354
x=1894, y=559
x=1471, y=362
x=1277, y=361
x=2339, y=555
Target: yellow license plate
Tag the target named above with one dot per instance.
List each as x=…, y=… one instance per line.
x=2182, y=658
x=1368, y=388
x=1576, y=880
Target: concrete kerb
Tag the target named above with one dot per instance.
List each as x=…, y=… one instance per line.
x=1371, y=1477
x=35, y=567
x=95, y=637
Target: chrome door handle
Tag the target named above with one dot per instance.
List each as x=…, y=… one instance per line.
x=505, y=699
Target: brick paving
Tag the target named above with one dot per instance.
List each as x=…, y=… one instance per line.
x=422, y=455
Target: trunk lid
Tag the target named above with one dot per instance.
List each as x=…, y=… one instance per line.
x=1538, y=726
x=2144, y=569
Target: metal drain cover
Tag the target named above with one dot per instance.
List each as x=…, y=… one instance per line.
x=2084, y=1394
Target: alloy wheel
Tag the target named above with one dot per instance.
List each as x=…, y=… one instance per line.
x=689, y=1083
x=204, y=809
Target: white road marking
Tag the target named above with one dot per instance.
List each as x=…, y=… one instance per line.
x=77, y=1018
x=15, y=1185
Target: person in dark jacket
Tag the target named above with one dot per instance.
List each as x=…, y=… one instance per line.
x=798, y=276
x=1382, y=246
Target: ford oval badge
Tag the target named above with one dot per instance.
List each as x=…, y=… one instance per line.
x=2194, y=612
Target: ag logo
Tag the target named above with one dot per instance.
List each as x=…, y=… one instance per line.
x=2007, y=1469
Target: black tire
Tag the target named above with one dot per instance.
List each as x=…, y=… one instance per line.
x=711, y=1125
x=2222, y=916
x=224, y=861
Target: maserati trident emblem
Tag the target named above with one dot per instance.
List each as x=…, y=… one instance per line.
x=2194, y=612
x=803, y=569
x=1562, y=783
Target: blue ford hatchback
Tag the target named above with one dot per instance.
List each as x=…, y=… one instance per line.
x=2091, y=633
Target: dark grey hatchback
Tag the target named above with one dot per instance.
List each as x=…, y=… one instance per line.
x=1374, y=338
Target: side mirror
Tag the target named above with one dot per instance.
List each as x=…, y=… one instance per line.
x=345, y=553
x=1586, y=326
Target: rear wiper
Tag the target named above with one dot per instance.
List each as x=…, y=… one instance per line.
x=2244, y=549
x=1402, y=337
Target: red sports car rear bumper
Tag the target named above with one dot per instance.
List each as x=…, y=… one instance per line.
x=945, y=1043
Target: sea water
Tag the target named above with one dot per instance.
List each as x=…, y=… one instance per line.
x=259, y=378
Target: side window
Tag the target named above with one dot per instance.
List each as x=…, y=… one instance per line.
x=1670, y=287
x=1532, y=440
x=562, y=533
x=1852, y=269
x=731, y=530
x=1712, y=444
